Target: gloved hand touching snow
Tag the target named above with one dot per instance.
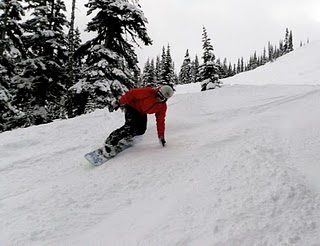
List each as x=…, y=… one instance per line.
x=115, y=105
x=162, y=141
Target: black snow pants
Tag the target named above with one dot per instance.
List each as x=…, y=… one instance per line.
x=135, y=124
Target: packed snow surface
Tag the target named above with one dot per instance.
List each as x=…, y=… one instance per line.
x=241, y=167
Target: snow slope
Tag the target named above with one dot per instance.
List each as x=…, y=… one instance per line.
x=241, y=167
x=300, y=67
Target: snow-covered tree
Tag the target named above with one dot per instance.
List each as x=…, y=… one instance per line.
x=270, y=52
x=11, y=51
x=230, y=70
x=238, y=66
x=39, y=88
x=185, y=75
x=264, y=59
x=72, y=103
x=162, y=65
x=242, y=65
x=253, y=61
x=10, y=28
x=148, y=75
x=71, y=44
x=195, y=69
x=209, y=70
x=224, y=68
x=290, y=42
x=111, y=61
x=157, y=72
x=167, y=67
x=286, y=41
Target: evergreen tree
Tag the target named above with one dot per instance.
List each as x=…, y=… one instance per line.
x=209, y=70
x=152, y=74
x=185, y=75
x=75, y=104
x=290, y=45
x=111, y=61
x=238, y=66
x=254, y=61
x=277, y=51
x=208, y=55
x=158, y=70
x=162, y=66
x=270, y=52
x=71, y=45
x=148, y=76
x=145, y=73
x=10, y=29
x=72, y=102
x=264, y=56
x=195, y=70
x=175, y=79
x=167, y=67
x=40, y=86
x=221, y=72
x=77, y=63
x=230, y=70
x=222, y=68
x=281, y=50
x=225, y=68
x=286, y=42
x=11, y=51
x=242, y=65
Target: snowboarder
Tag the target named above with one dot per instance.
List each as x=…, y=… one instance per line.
x=138, y=103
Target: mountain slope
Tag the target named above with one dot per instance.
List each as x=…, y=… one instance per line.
x=240, y=168
x=299, y=67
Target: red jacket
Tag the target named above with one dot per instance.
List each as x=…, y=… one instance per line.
x=145, y=101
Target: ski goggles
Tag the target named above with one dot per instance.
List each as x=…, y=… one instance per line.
x=161, y=96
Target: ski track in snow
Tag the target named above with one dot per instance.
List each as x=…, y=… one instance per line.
x=240, y=168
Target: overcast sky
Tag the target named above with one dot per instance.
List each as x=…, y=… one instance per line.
x=236, y=28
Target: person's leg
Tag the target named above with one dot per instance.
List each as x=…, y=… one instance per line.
x=136, y=121
x=135, y=124
x=140, y=124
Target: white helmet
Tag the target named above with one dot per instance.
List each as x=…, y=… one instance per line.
x=166, y=91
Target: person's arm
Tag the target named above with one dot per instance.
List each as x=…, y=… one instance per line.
x=160, y=117
x=126, y=98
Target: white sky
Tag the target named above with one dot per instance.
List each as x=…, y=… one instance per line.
x=236, y=28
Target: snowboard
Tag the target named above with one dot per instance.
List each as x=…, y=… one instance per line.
x=97, y=158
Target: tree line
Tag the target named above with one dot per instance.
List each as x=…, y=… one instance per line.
x=48, y=73
x=210, y=70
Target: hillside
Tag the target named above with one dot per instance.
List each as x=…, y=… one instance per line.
x=300, y=67
x=241, y=167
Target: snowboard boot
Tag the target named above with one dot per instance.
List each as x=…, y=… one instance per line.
x=109, y=150
x=123, y=144
x=128, y=141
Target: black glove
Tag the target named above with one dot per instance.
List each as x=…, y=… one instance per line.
x=162, y=141
x=115, y=105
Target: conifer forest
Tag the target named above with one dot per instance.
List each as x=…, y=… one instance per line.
x=47, y=72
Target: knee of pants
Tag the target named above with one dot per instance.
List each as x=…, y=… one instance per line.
x=140, y=131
